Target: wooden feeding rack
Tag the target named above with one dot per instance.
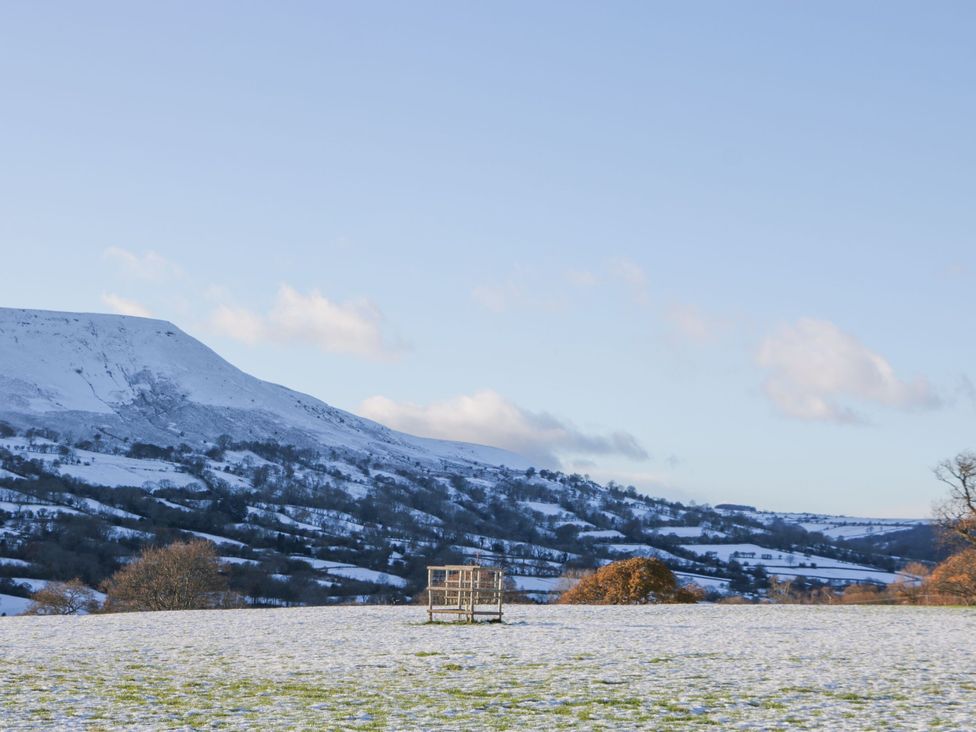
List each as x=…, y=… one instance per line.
x=468, y=591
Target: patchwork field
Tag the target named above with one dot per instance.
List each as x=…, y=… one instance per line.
x=655, y=667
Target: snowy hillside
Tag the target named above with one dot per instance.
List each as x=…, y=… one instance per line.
x=117, y=432
x=125, y=378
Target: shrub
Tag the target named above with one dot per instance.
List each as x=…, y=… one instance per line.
x=634, y=581
x=181, y=576
x=955, y=578
x=63, y=598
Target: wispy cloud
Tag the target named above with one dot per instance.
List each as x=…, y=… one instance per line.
x=499, y=297
x=520, y=291
x=487, y=418
x=356, y=327
x=695, y=325
x=145, y=266
x=526, y=290
x=123, y=306
x=815, y=369
x=632, y=275
x=240, y=324
x=582, y=278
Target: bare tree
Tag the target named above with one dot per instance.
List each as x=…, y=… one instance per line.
x=957, y=513
x=181, y=576
x=63, y=598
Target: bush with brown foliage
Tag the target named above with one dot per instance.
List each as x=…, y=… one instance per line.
x=634, y=581
x=866, y=594
x=181, y=576
x=955, y=578
x=63, y=598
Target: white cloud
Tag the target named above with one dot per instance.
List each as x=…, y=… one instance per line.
x=693, y=324
x=515, y=294
x=633, y=275
x=498, y=297
x=814, y=368
x=700, y=327
x=524, y=290
x=354, y=327
x=146, y=266
x=628, y=270
x=240, y=324
x=487, y=418
x=122, y=306
x=581, y=278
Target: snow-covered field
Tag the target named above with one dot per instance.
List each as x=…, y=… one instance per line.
x=787, y=565
x=629, y=668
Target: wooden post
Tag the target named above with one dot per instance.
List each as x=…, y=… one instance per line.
x=430, y=595
x=500, y=586
x=471, y=598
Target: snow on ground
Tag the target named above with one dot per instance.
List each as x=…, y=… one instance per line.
x=8, y=474
x=238, y=560
x=793, y=564
x=11, y=562
x=546, y=667
x=539, y=584
x=97, y=468
x=233, y=481
x=123, y=532
x=642, y=550
x=837, y=527
x=215, y=539
x=115, y=471
x=281, y=518
x=687, y=532
x=703, y=580
x=32, y=584
x=33, y=509
x=170, y=504
x=853, y=530
x=245, y=458
x=601, y=534
x=554, y=510
x=546, y=509
x=90, y=505
x=321, y=563
x=368, y=575
x=12, y=605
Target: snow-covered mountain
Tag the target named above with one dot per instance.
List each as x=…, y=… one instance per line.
x=139, y=379
x=117, y=432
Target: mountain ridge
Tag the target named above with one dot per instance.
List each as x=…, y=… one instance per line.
x=119, y=432
x=128, y=377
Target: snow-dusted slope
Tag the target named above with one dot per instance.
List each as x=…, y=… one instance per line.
x=146, y=380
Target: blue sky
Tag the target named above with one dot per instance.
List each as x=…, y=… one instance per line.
x=721, y=251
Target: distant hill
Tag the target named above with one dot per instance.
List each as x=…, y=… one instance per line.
x=118, y=431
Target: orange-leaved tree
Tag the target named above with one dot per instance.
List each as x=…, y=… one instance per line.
x=955, y=578
x=634, y=581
